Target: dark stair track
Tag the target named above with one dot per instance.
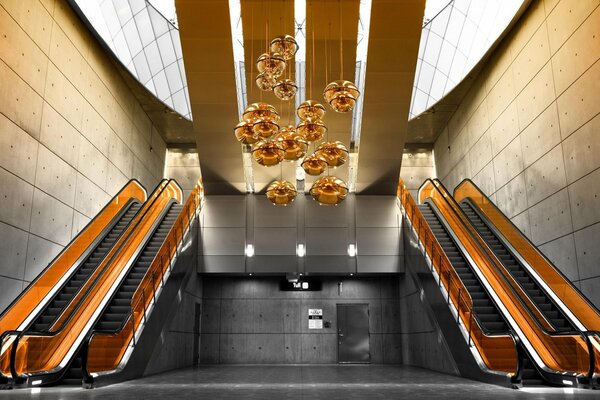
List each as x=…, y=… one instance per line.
x=45, y=320
x=520, y=274
x=485, y=310
x=118, y=309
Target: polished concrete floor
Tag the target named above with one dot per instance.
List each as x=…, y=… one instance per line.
x=300, y=382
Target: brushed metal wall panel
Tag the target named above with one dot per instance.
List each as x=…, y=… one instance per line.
x=380, y=211
x=222, y=241
x=326, y=241
x=379, y=242
x=275, y=241
x=319, y=216
x=272, y=264
x=268, y=215
x=224, y=211
x=221, y=264
x=380, y=264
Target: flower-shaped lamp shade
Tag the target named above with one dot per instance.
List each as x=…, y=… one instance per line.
x=267, y=153
x=335, y=153
x=281, y=193
x=314, y=165
x=312, y=130
x=310, y=109
x=329, y=190
x=341, y=95
x=265, y=128
x=244, y=133
x=271, y=63
x=293, y=143
x=265, y=81
x=260, y=111
x=285, y=89
x=285, y=45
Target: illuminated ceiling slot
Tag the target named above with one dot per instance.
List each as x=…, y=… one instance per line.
x=362, y=48
x=237, y=40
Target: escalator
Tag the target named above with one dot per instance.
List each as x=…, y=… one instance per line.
x=50, y=314
x=485, y=310
x=50, y=294
x=43, y=357
x=114, y=315
x=552, y=313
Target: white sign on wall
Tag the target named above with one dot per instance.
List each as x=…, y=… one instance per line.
x=315, y=318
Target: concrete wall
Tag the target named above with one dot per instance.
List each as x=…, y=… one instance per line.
x=71, y=135
x=248, y=320
x=183, y=165
x=418, y=164
x=527, y=134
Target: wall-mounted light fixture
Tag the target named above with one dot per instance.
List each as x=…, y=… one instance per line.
x=249, y=251
x=352, y=250
x=300, y=250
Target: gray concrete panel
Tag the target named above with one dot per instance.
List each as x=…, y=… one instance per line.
x=481, y=153
x=585, y=200
x=55, y=177
x=508, y=163
x=50, y=218
x=17, y=198
x=521, y=221
x=19, y=150
x=89, y=198
x=59, y=136
x=541, y=136
x=581, y=150
x=92, y=163
x=589, y=287
x=9, y=290
x=550, y=218
x=588, y=251
x=485, y=179
x=13, y=248
x=561, y=252
x=546, y=176
x=512, y=197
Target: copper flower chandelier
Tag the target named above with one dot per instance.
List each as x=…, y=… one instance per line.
x=271, y=144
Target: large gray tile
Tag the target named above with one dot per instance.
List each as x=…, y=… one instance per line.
x=585, y=200
x=588, y=251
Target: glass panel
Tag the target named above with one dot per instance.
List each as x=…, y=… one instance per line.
x=167, y=52
x=425, y=77
x=173, y=77
x=159, y=24
x=123, y=11
x=161, y=85
x=142, y=67
x=121, y=48
x=142, y=20
x=153, y=58
x=432, y=52
x=110, y=17
x=133, y=37
x=445, y=60
x=179, y=102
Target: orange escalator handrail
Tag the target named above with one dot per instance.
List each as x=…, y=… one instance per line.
x=106, y=350
x=18, y=315
x=576, y=302
x=498, y=352
x=564, y=353
x=37, y=353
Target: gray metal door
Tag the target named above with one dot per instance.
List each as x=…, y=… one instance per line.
x=353, y=333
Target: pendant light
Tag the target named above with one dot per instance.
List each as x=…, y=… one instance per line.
x=334, y=153
x=285, y=89
x=285, y=45
x=260, y=111
x=293, y=143
x=281, y=193
x=244, y=133
x=329, y=190
x=314, y=165
x=267, y=153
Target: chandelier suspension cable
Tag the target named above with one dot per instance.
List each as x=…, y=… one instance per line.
x=312, y=60
x=251, y=49
x=327, y=55
x=341, y=46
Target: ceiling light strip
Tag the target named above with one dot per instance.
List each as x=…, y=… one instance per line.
x=300, y=36
x=362, y=48
x=237, y=40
